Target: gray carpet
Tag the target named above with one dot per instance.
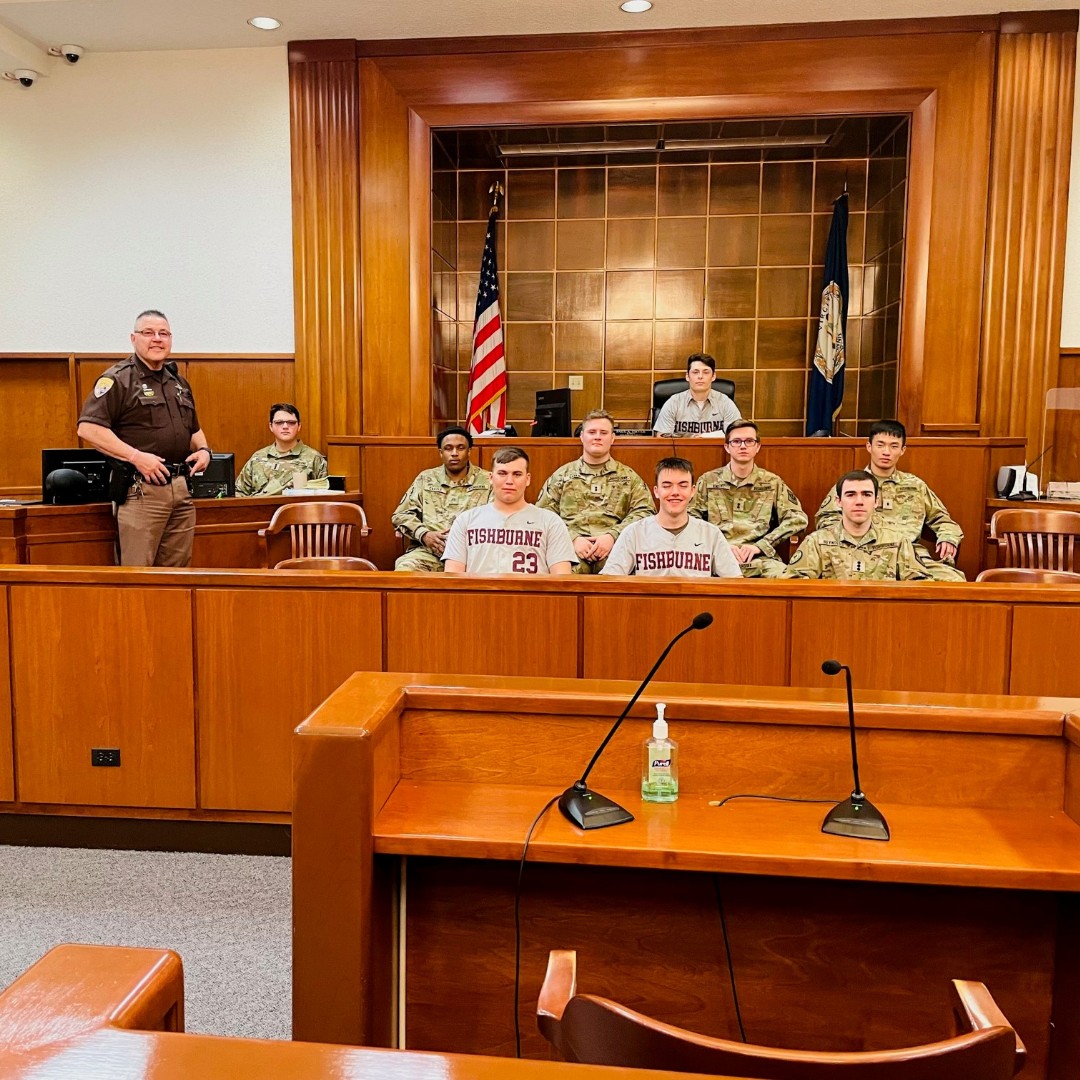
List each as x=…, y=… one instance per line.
x=228, y=916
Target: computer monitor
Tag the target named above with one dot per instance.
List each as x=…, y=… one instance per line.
x=218, y=481
x=93, y=465
x=552, y=413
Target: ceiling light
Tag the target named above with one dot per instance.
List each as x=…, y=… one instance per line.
x=264, y=22
x=635, y=7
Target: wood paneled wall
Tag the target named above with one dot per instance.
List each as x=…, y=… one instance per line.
x=944, y=72
x=233, y=394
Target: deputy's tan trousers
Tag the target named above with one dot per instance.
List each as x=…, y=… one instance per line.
x=157, y=525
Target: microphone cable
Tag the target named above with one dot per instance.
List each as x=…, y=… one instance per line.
x=727, y=953
x=771, y=798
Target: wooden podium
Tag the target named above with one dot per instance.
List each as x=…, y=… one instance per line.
x=414, y=793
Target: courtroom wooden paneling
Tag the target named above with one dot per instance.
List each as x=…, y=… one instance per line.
x=7, y=758
x=102, y=667
x=70, y=535
x=498, y=634
x=265, y=660
x=748, y=642
x=1042, y=638
x=893, y=644
x=37, y=398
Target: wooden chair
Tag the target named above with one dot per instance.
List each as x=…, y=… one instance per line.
x=327, y=562
x=593, y=1030
x=1037, y=538
x=1021, y=575
x=305, y=529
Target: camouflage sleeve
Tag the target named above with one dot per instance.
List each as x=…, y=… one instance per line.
x=806, y=562
x=790, y=519
x=641, y=505
x=551, y=493
x=699, y=504
x=937, y=518
x=828, y=513
x=245, y=482
x=318, y=466
x=909, y=567
x=408, y=518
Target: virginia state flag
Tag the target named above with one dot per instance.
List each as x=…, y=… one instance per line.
x=827, y=375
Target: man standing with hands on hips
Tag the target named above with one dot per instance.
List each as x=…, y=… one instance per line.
x=141, y=413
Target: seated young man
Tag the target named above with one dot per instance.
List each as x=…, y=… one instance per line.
x=701, y=411
x=857, y=548
x=509, y=535
x=434, y=500
x=670, y=543
x=906, y=503
x=754, y=509
x=269, y=471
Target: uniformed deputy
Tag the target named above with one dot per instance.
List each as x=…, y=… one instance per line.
x=435, y=499
x=906, y=504
x=754, y=509
x=272, y=469
x=596, y=496
x=141, y=414
x=857, y=548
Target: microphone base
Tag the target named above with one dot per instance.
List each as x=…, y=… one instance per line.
x=857, y=818
x=589, y=810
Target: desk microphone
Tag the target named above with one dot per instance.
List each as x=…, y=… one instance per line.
x=856, y=817
x=587, y=809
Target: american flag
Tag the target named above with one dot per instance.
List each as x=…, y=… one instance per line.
x=486, y=406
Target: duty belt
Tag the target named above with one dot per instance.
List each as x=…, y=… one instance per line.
x=177, y=468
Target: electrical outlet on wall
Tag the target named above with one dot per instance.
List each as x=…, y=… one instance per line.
x=576, y=382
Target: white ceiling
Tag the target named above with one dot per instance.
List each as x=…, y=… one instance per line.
x=29, y=27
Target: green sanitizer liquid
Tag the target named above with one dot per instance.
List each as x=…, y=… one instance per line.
x=660, y=763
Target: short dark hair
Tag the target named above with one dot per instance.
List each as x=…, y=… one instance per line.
x=453, y=431
x=857, y=474
x=284, y=406
x=152, y=311
x=888, y=427
x=675, y=464
x=508, y=454
x=701, y=358
x=736, y=424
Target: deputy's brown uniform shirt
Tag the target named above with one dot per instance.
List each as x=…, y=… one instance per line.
x=152, y=411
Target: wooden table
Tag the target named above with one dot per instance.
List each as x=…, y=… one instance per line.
x=413, y=796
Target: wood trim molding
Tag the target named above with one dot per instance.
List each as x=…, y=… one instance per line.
x=1063, y=21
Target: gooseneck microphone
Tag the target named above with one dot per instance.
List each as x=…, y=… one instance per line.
x=856, y=817
x=587, y=809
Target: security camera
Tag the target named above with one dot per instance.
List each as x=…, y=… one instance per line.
x=26, y=76
x=70, y=53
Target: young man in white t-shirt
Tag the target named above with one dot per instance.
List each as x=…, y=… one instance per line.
x=509, y=535
x=671, y=543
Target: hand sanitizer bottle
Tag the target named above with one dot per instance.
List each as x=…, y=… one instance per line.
x=660, y=763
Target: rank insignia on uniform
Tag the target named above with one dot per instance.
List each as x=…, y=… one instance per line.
x=886, y=504
x=740, y=505
x=858, y=566
x=102, y=386
x=147, y=392
x=596, y=489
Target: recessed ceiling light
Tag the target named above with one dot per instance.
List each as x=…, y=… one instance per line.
x=635, y=6
x=264, y=22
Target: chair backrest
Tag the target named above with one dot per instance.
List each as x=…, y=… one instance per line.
x=667, y=388
x=327, y=562
x=1022, y=575
x=319, y=528
x=1037, y=538
x=596, y=1031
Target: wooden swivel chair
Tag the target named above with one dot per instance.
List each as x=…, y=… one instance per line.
x=1037, y=538
x=667, y=388
x=306, y=529
x=595, y=1031
x=327, y=562
x=1021, y=575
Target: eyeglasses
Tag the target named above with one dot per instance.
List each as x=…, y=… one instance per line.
x=148, y=334
x=284, y=423
x=742, y=442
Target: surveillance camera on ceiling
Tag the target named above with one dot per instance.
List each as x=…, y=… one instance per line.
x=24, y=76
x=70, y=53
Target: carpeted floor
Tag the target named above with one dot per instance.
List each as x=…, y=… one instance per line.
x=228, y=916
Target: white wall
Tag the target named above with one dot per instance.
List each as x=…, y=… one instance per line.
x=1070, y=308
x=150, y=179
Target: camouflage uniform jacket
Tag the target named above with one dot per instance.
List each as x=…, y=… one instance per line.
x=433, y=501
x=270, y=472
x=745, y=510
x=833, y=554
x=595, y=499
x=906, y=505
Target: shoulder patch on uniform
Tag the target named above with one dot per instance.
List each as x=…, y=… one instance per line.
x=103, y=386
x=797, y=557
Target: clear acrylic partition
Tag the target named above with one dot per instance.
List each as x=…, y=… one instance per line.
x=1059, y=470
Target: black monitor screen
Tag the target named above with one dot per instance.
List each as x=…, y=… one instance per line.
x=552, y=413
x=91, y=463
x=218, y=481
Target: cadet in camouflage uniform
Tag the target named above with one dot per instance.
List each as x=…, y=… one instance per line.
x=436, y=498
x=906, y=504
x=596, y=496
x=754, y=509
x=269, y=471
x=857, y=548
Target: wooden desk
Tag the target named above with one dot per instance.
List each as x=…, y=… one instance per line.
x=226, y=532
x=88, y=1012
x=413, y=796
